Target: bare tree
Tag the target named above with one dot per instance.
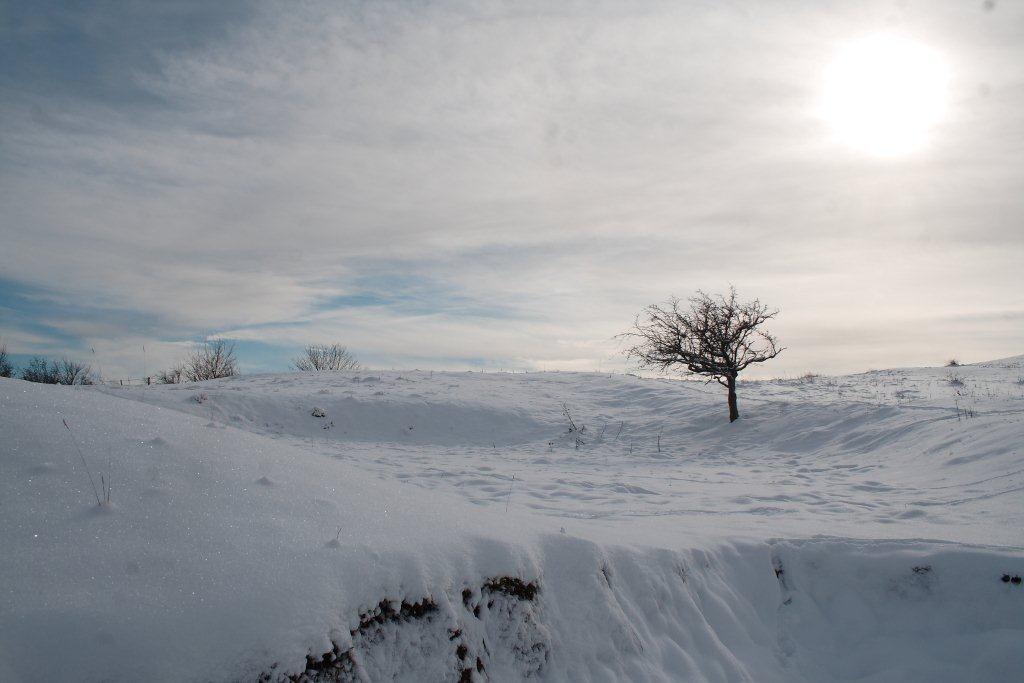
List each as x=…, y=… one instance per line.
x=212, y=360
x=320, y=357
x=6, y=368
x=718, y=337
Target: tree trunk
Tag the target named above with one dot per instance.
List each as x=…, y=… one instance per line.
x=734, y=412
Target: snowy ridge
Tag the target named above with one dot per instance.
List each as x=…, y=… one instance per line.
x=858, y=454
x=244, y=536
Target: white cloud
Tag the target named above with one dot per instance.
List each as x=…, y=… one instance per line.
x=568, y=163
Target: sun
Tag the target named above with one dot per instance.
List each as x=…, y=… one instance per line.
x=884, y=93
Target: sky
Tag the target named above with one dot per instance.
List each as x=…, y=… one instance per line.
x=488, y=185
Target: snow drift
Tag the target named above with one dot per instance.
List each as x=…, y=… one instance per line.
x=445, y=526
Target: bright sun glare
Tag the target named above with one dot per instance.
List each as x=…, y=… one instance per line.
x=883, y=94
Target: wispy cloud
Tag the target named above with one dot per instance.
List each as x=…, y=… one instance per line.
x=494, y=181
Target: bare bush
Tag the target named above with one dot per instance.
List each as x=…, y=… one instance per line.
x=212, y=360
x=718, y=337
x=39, y=370
x=320, y=358
x=175, y=375
x=952, y=363
x=6, y=368
x=64, y=371
x=69, y=372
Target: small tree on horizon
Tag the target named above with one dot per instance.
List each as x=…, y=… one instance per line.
x=321, y=357
x=717, y=337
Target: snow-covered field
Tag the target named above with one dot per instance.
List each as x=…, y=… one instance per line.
x=447, y=526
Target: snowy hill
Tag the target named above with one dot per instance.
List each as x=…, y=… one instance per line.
x=449, y=526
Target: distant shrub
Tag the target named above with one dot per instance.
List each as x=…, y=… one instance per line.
x=809, y=377
x=955, y=380
x=952, y=363
x=6, y=368
x=320, y=358
x=69, y=372
x=210, y=360
x=213, y=360
x=175, y=375
x=64, y=371
x=38, y=370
